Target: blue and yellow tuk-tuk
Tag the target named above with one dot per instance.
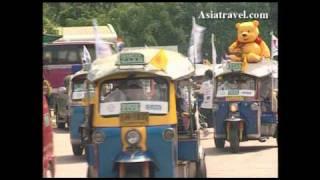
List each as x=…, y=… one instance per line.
x=136, y=128
x=79, y=100
x=245, y=103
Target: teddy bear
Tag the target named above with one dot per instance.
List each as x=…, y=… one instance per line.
x=249, y=46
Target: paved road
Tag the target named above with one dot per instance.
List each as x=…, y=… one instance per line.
x=67, y=165
x=255, y=159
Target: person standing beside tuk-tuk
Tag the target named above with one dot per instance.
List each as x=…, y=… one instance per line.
x=48, y=152
x=206, y=90
x=47, y=92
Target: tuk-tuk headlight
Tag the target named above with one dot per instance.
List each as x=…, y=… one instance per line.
x=254, y=106
x=168, y=134
x=133, y=137
x=215, y=107
x=98, y=137
x=234, y=107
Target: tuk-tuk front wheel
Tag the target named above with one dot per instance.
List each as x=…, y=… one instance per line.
x=77, y=149
x=89, y=173
x=219, y=143
x=201, y=168
x=234, y=137
x=60, y=125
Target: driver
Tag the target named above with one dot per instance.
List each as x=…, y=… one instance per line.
x=244, y=85
x=134, y=91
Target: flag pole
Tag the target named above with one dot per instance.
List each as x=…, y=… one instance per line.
x=271, y=34
x=214, y=51
x=194, y=49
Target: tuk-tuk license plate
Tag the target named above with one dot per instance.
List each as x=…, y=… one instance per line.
x=130, y=107
x=134, y=119
x=234, y=98
x=235, y=66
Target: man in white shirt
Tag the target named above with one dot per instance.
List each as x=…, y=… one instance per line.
x=206, y=90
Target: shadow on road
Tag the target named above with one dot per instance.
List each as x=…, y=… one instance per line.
x=244, y=149
x=61, y=131
x=70, y=159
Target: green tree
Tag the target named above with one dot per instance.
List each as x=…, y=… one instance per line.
x=160, y=24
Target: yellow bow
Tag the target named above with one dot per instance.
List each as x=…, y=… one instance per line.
x=160, y=60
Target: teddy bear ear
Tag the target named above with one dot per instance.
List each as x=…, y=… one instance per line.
x=256, y=23
x=237, y=25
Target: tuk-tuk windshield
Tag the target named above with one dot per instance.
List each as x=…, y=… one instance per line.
x=134, y=95
x=235, y=85
x=79, y=89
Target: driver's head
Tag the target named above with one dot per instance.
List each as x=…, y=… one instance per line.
x=134, y=90
x=135, y=87
x=208, y=74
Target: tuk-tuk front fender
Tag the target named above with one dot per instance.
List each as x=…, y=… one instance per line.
x=232, y=119
x=133, y=157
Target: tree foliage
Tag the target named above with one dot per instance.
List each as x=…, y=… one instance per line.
x=161, y=24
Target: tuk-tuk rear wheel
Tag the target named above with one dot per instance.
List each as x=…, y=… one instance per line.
x=276, y=135
x=219, y=143
x=234, y=138
x=60, y=125
x=77, y=149
x=89, y=173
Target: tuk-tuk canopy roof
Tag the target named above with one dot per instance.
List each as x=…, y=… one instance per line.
x=176, y=66
x=79, y=73
x=261, y=69
x=200, y=69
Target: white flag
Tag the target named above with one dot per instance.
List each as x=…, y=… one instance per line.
x=86, y=58
x=194, y=52
x=274, y=46
x=102, y=49
x=214, y=52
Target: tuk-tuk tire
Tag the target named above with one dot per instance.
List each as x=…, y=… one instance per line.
x=277, y=137
x=77, y=149
x=89, y=173
x=219, y=142
x=234, y=138
x=201, y=168
x=60, y=125
x=85, y=151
